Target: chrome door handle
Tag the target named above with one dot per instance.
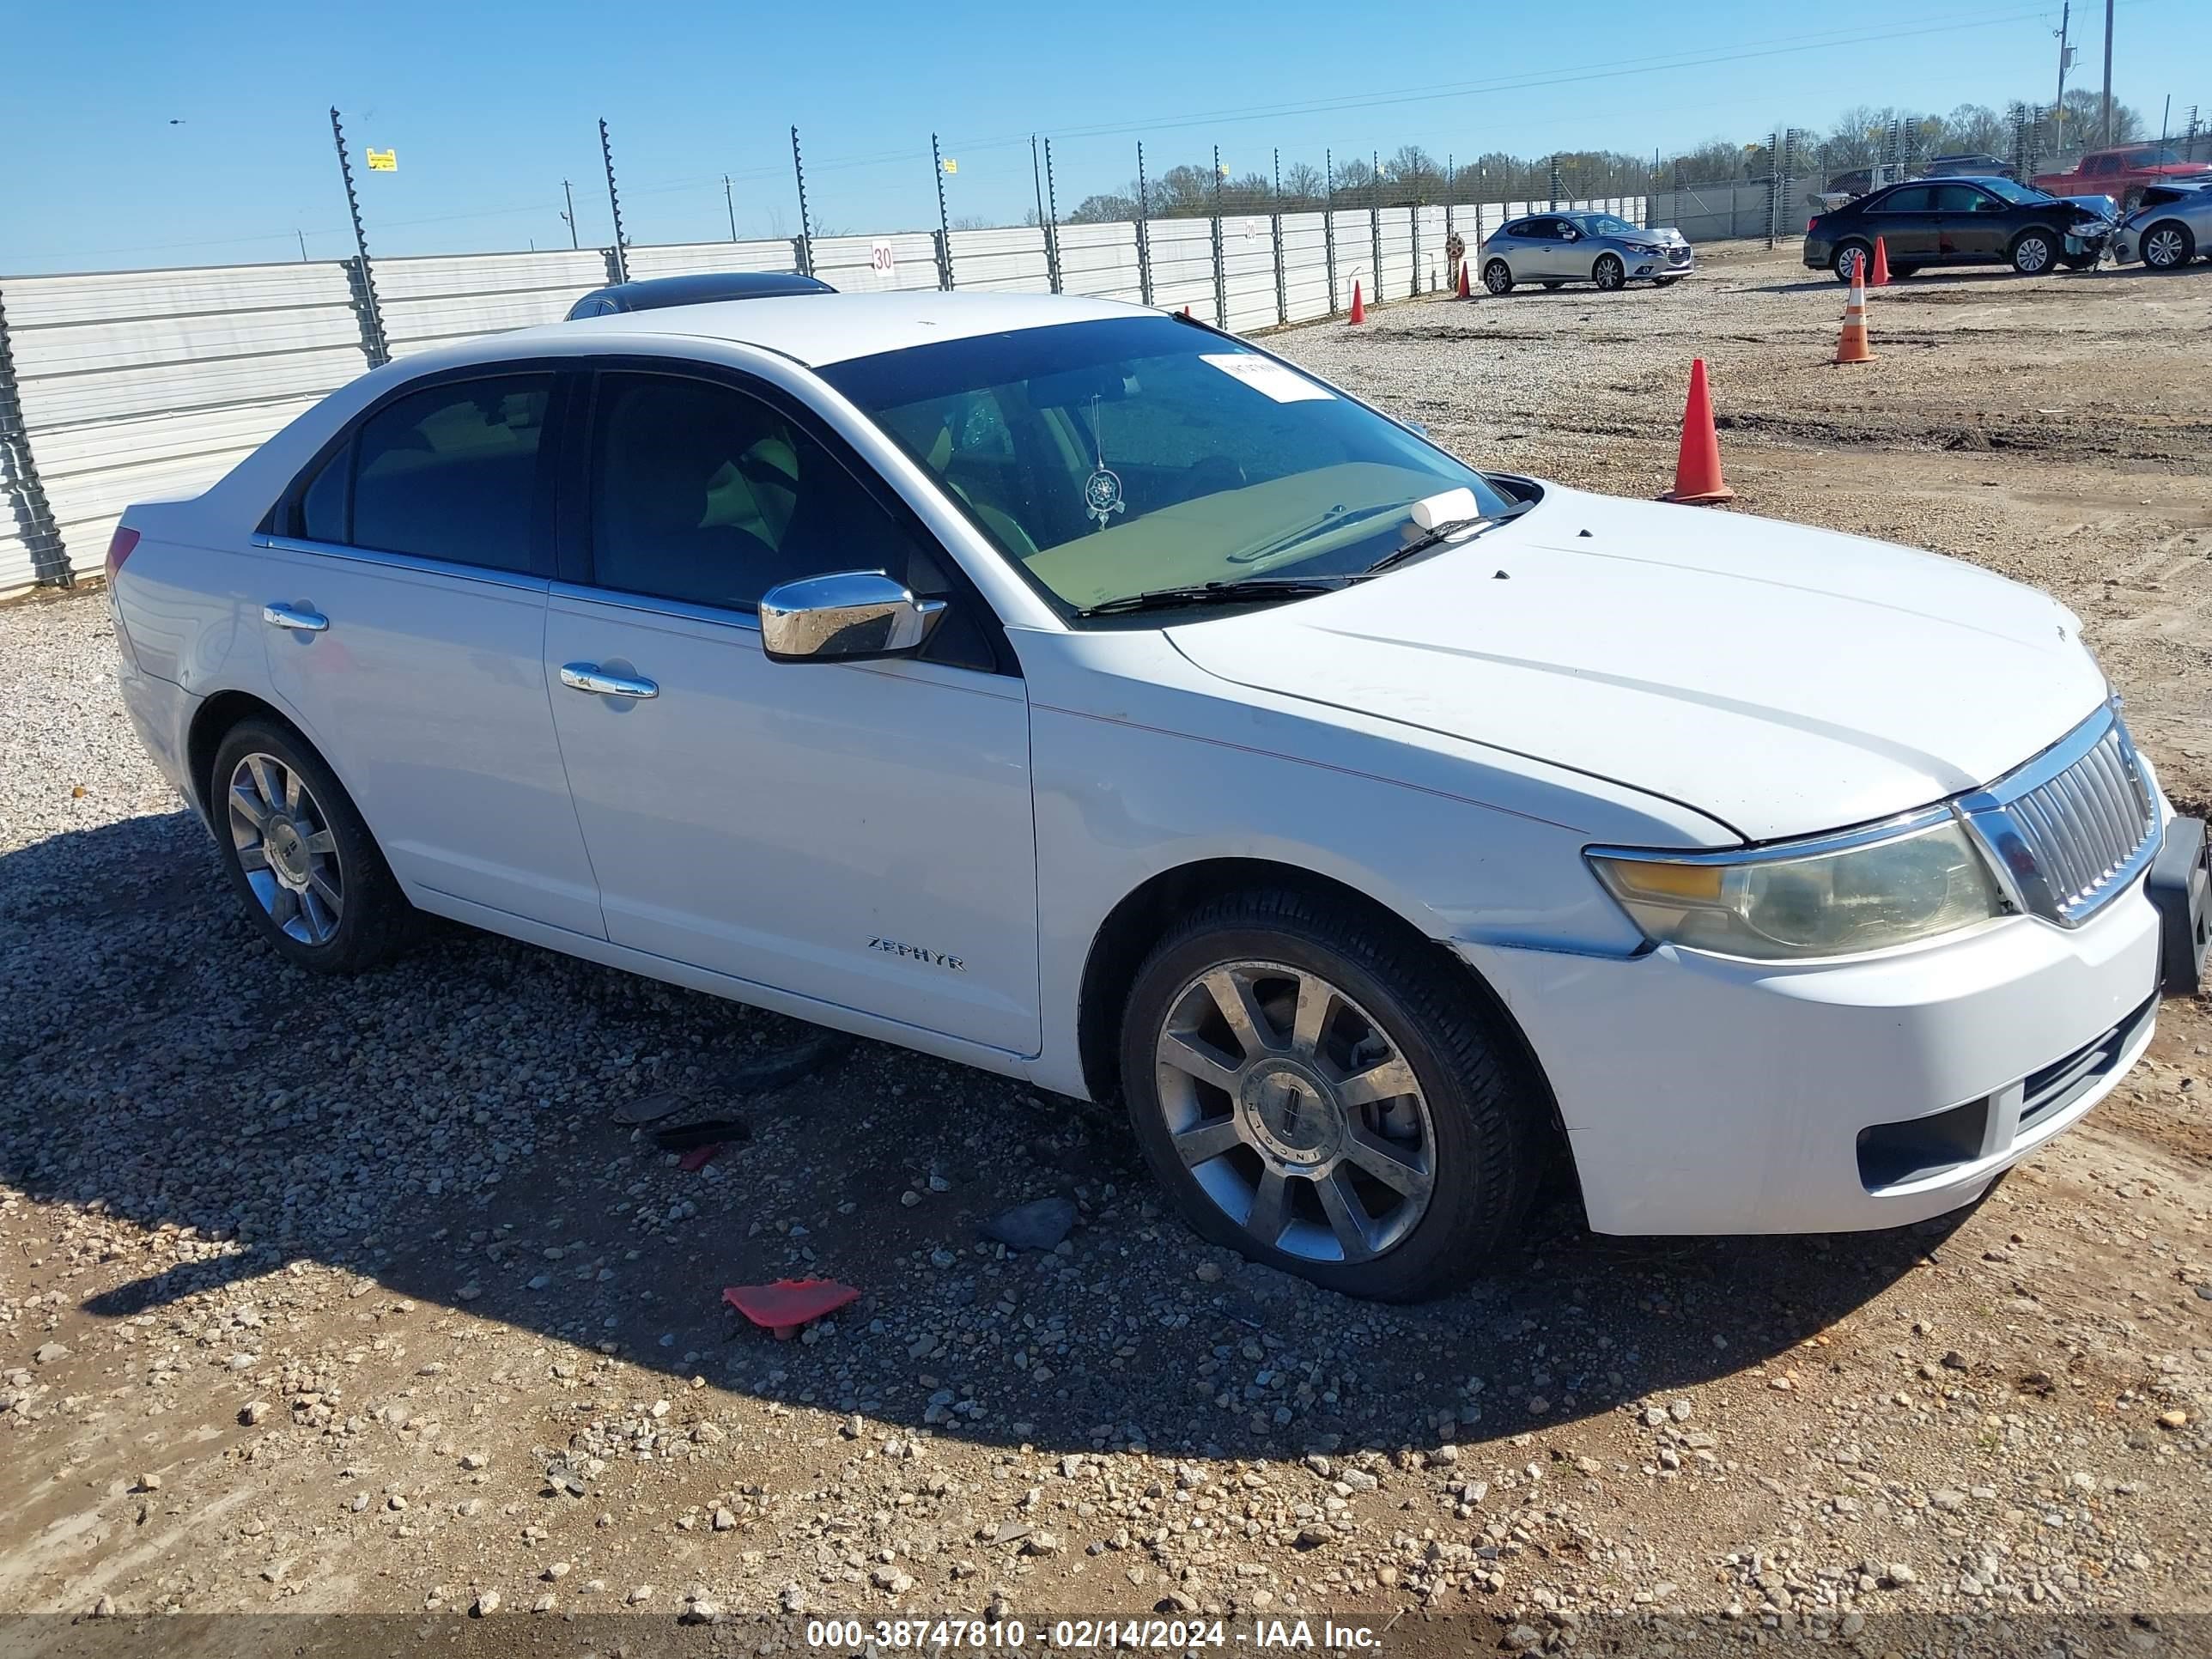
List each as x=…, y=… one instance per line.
x=297, y=617
x=587, y=676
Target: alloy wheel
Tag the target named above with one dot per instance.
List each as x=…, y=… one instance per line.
x=1498, y=277
x=2032, y=256
x=1609, y=274
x=2164, y=249
x=1296, y=1112
x=284, y=845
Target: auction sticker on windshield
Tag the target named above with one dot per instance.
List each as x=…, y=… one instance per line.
x=1284, y=385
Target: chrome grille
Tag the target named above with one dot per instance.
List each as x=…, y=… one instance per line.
x=2072, y=827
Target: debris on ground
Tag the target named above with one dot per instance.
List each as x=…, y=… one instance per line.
x=1039, y=1225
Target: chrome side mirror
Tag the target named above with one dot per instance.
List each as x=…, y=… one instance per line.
x=851, y=616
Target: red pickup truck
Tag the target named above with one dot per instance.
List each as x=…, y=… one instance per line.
x=2122, y=173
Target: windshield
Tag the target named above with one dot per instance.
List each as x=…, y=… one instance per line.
x=1605, y=224
x=2013, y=192
x=1115, y=458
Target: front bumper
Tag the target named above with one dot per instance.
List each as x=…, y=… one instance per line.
x=1665, y=262
x=2123, y=247
x=1704, y=1095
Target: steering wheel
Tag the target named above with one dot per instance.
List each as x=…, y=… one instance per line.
x=1212, y=476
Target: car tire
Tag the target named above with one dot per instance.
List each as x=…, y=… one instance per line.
x=1463, y=1147
x=2033, y=253
x=1845, y=255
x=298, y=856
x=1498, y=277
x=2168, y=245
x=1609, y=273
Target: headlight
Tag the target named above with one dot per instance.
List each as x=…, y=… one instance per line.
x=1834, y=896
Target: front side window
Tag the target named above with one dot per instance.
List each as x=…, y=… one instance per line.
x=1113, y=457
x=1964, y=198
x=449, y=472
x=702, y=494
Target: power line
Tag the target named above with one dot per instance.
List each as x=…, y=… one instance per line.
x=1783, y=46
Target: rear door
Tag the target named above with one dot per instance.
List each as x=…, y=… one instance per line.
x=1904, y=218
x=858, y=833
x=405, y=621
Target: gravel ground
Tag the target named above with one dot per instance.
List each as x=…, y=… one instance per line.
x=354, y=1297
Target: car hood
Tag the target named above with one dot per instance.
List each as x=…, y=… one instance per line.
x=1781, y=680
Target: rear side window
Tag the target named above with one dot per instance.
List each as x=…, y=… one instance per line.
x=323, y=504
x=1909, y=198
x=449, y=472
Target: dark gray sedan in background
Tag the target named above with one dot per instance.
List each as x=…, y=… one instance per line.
x=1554, y=248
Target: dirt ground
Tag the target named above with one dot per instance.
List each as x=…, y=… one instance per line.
x=354, y=1298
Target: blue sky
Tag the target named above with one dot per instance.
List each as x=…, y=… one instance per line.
x=145, y=134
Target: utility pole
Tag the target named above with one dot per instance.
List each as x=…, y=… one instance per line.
x=730, y=206
x=2065, y=62
x=2106, y=139
x=614, y=205
x=568, y=194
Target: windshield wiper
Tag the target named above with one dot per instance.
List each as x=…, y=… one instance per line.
x=1443, y=532
x=1251, y=590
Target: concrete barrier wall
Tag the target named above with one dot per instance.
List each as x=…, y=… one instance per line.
x=144, y=383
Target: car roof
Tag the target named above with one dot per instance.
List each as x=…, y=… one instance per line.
x=652, y=292
x=819, y=328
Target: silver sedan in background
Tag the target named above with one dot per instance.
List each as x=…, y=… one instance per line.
x=1554, y=248
x=2172, y=226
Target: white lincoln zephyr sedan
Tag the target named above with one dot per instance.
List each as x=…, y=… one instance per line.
x=1085, y=694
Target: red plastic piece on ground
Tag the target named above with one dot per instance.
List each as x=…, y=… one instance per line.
x=698, y=1156
x=785, y=1305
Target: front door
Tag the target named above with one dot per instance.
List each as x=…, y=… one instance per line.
x=1976, y=227
x=405, y=636
x=858, y=833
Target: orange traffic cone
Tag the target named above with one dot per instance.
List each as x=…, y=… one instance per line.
x=1359, y=308
x=1698, y=480
x=1186, y=311
x=1852, y=348
x=1878, y=277
x=1466, y=292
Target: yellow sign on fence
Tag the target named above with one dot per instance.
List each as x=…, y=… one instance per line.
x=383, y=161
x=951, y=166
